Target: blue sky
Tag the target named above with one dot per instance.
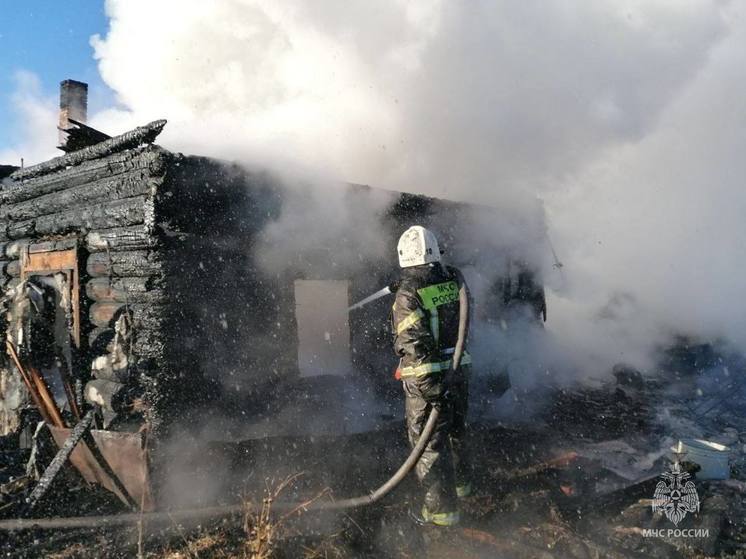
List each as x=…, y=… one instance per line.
x=50, y=38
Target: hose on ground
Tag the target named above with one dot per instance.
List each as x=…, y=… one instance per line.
x=213, y=512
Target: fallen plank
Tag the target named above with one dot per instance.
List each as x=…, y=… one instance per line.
x=59, y=460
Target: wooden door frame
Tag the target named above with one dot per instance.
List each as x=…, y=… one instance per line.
x=50, y=262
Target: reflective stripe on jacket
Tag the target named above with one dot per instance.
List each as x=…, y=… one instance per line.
x=425, y=319
x=427, y=368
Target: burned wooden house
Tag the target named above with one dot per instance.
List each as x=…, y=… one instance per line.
x=131, y=281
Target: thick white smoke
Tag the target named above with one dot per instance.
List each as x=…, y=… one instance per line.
x=656, y=225
x=39, y=115
x=626, y=118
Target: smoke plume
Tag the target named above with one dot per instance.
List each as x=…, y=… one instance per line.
x=625, y=118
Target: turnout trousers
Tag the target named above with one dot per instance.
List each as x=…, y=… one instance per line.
x=445, y=464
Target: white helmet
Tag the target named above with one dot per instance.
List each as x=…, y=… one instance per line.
x=417, y=246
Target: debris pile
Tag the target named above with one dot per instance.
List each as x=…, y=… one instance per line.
x=610, y=411
x=560, y=488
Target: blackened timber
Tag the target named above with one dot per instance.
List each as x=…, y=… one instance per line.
x=99, y=337
x=112, y=188
x=122, y=238
x=10, y=263
x=57, y=244
x=135, y=263
x=132, y=139
x=60, y=458
x=80, y=135
x=209, y=199
x=13, y=249
x=21, y=230
x=124, y=290
x=148, y=344
x=130, y=211
x=13, y=269
x=7, y=170
x=143, y=316
x=150, y=159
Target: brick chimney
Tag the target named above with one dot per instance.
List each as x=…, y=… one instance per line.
x=73, y=105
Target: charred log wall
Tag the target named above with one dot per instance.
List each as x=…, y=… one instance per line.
x=169, y=240
x=103, y=202
x=233, y=322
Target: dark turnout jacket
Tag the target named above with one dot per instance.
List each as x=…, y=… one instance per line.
x=425, y=319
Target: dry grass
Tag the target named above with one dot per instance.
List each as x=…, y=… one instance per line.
x=70, y=552
x=260, y=533
x=213, y=545
x=328, y=549
x=264, y=531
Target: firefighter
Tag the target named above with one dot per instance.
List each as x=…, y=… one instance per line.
x=425, y=320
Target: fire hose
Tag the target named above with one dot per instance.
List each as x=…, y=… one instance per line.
x=210, y=512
